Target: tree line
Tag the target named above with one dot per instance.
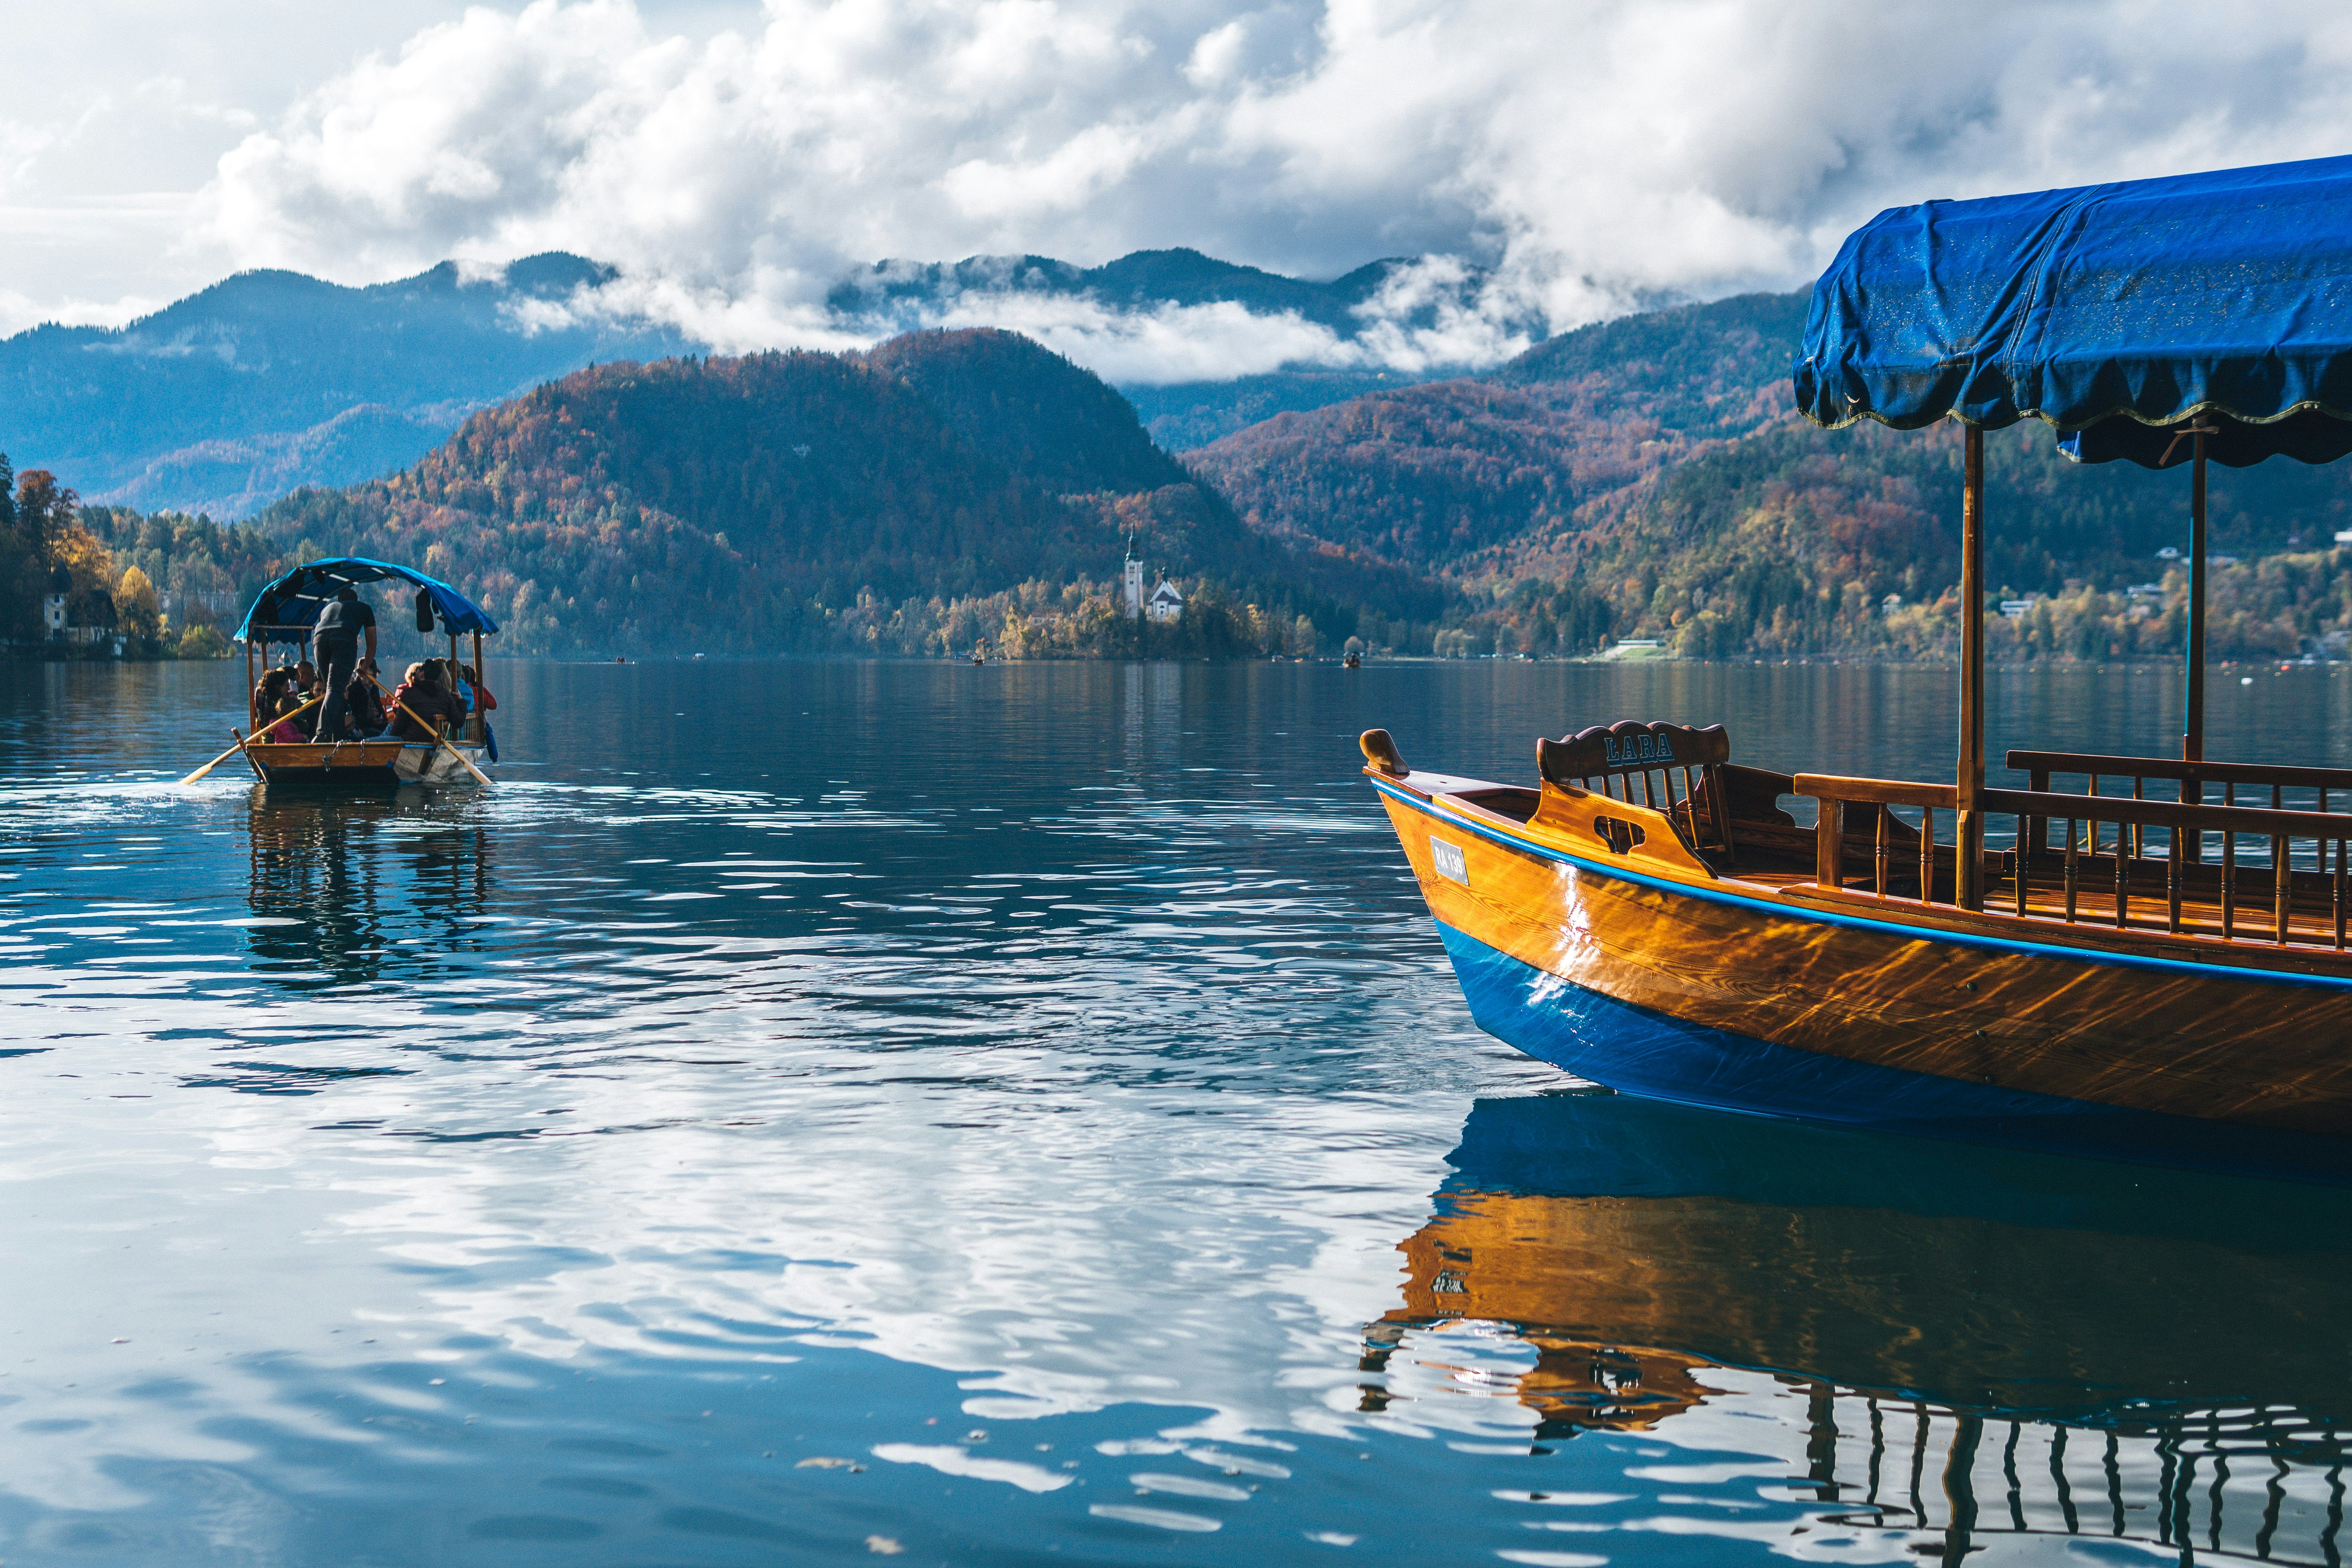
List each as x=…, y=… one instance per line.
x=1796, y=542
x=105, y=566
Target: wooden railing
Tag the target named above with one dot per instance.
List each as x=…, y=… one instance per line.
x=2232, y=776
x=2183, y=875
x=2118, y=848
x=2191, y=783
x=1830, y=832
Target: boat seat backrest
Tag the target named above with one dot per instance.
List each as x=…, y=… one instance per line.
x=1605, y=760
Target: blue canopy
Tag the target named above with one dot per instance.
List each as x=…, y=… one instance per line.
x=286, y=609
x=2119, y=313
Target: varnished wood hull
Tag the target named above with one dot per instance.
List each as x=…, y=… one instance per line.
x=1662, y=980
x=361, y=764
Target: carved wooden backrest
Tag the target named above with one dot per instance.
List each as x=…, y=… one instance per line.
x=1631, y=746
x=1618, y=753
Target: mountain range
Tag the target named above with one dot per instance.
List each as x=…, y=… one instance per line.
x=903, y=296
x=267, y=381
x=270, y=379
x=1640, y=478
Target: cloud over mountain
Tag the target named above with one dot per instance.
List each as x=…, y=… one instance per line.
x=1589, y=155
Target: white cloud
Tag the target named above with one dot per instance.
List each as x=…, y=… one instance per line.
x=1597, y=152
x=20, y=311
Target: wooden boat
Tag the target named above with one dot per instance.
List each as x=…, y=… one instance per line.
x=286, y=611
x=2164, y=977
x=366, y=763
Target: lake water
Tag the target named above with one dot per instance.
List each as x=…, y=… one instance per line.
x=812, y=1113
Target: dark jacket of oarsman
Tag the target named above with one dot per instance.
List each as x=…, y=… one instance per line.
x=337, y=637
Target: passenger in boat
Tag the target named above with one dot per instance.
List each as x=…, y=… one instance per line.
x=422, y=694
x=363, y=704
x=337, y=637
x=275, y=700
x=305, y=686
x=411, y=680
x=476, y=696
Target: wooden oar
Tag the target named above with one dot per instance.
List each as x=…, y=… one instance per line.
x=241, y=741
x=438, y=738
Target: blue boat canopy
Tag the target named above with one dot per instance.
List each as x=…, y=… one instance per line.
x=2119, y=313
x=286, y=609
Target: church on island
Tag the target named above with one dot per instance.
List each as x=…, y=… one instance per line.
x=1163, y=605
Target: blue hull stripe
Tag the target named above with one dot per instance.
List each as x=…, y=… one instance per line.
x=1863, y=922
x=1638, y=1051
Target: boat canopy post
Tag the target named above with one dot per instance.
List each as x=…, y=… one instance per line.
x=2192, y=723
x=1967, y=860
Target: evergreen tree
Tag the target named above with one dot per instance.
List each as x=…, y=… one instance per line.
x=23, y=573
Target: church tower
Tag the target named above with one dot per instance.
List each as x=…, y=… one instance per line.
x=1133, y=582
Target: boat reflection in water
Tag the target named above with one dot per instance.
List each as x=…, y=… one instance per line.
x=1942, y=1339
x=343, y=885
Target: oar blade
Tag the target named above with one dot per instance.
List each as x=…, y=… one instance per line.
x=213, y=763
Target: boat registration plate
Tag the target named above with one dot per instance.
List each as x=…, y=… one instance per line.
x=1449, y=860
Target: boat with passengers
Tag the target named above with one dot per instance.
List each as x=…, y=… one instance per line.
x=436, y=748
x=2143, y=957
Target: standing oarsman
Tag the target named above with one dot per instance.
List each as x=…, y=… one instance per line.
x=337, y=639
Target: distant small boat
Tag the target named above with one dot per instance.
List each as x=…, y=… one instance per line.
x=286, y=611
x=1353, y=661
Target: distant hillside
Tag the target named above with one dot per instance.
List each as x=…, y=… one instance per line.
x=1425, y=479
x=1630, y=478
x=236, y=479
x=1030, y=409
x=269, y=381
x=1437, y=477
x=766, y=504
x=1184, y=416
x=907, y=293
x=1792, y=540
x=1693, y=368
x=217, y=397
x=902, y=295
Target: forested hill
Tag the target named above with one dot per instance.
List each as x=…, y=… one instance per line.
x=750, y=505
x=1648, y=477
x=1030, y=409
x=1439, y=477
